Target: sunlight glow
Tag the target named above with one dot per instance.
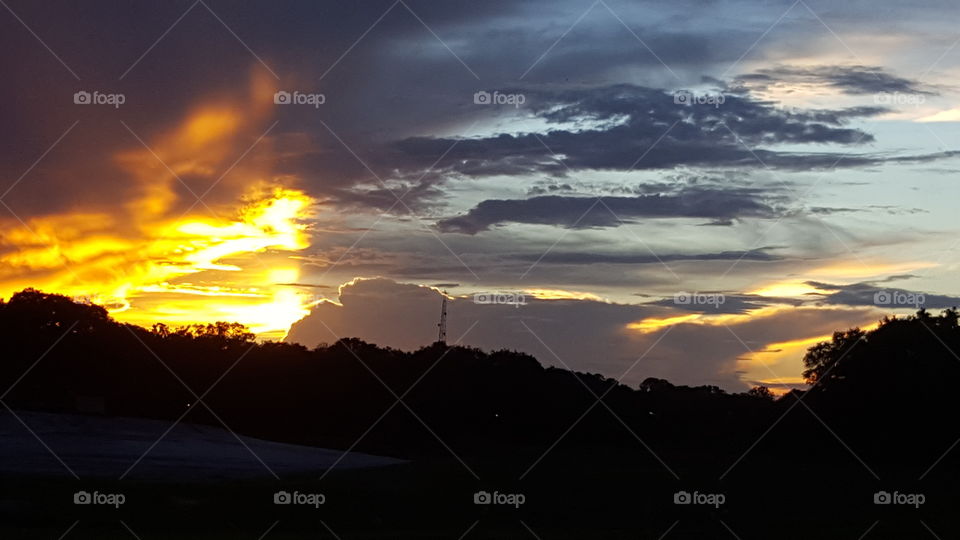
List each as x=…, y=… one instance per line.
x=156, y=257
x=950, y=115
x=653, y=324
x=867, y=269
x=195, y=270
x=843, y=271
x=788, y=289
x=777, y=363
x=560, y=294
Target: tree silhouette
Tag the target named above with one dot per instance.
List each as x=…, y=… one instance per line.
x=761, y=392
x=866, y=385
x=822, y=360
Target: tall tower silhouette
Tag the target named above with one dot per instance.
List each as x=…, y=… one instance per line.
x=442, y=335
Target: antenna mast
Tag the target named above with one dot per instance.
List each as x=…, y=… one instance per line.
x=442, y=336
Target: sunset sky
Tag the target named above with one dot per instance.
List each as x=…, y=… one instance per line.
x=333, y=166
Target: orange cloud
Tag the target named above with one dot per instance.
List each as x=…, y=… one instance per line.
x=152, y=260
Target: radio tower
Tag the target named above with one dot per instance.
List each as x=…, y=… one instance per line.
x=442, y=335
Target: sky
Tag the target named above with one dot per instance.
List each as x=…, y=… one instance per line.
x=695, y=191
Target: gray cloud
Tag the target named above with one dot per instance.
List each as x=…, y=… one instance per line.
x=586, y=257
x=732, y=303
x=632, y=120
x=874, y=294
x=607, y=211
x=856, y=80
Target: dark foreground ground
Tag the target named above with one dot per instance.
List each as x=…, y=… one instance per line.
x=573, y=493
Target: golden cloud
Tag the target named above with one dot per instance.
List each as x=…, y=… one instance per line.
x=164, y=257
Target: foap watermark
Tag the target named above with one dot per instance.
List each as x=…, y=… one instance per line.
x=96, y=97
x=899, y=298
x=506, y=499
x=699, y=299
x=899, y=99
x=282, y=97
x=906, y=499
x=304, y=499
x=104, y=499
x=708, y=499
x=482, y=97
x=507, y=299
x=682, y=97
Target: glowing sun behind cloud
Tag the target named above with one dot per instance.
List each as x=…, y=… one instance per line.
x=161, y=256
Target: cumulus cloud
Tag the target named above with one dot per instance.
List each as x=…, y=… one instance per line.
x=584, y=335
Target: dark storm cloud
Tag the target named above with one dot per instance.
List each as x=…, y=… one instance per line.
x=402, y=198
x=643, y=128
x=876, y=294
x=856, y=80
x=168, y=57
x=403, y=80
x=628, y=122
x=638, y=103
x=588, y=212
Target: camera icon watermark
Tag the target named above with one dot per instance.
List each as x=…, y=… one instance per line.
x=282, y=97
x=515, y=500
x=115, y=500
x=304, y=499
x=482, y=97
x=699, y=299
x=899, y=99
x=899, y=298
x=83, y=97
x=507, y=299
x=906, y=499
x=715, y=500
x=682, y=97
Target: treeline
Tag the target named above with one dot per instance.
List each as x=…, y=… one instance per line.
x=58, y=355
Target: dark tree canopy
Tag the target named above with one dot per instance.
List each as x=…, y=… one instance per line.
x=892, y=376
